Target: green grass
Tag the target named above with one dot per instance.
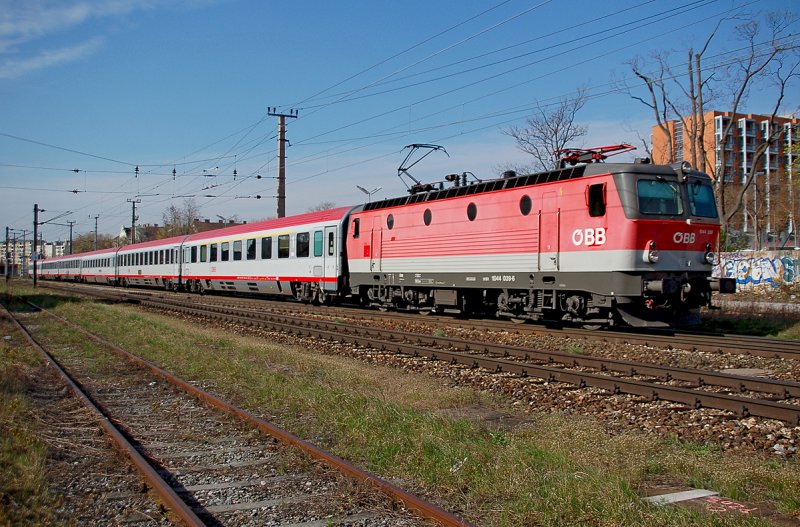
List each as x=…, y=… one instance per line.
x=414, y=429
x=759, y=325
x=23, y=494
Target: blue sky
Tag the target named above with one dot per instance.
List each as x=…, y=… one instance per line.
x=90, y=89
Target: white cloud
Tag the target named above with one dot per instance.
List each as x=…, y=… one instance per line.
x=24, y=23
x=14, y=68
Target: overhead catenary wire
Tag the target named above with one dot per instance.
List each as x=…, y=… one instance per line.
x=237, y=149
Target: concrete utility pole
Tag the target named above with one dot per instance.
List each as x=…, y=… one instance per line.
x=281, y=156
x=71, y=223
x=95, y=231
x=35, y=256
x=133, y=215
x=8, y=256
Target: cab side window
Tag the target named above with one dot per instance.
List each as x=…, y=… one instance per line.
x=596, y=199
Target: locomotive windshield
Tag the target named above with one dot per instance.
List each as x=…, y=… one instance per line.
x=701, y=199
x=657, y=196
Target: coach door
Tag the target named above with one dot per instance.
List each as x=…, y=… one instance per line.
x=549, y=218
x=330, y=253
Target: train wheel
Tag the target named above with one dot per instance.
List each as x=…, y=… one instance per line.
x=323, y=297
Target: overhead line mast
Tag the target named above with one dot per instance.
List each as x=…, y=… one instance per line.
x=272, y=111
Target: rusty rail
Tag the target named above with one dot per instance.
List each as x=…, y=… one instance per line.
x=161, y=487
x=414, y=503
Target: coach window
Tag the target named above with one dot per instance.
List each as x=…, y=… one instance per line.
x=266, y=248
x=194, y=254
x=237, y=250
x=390, y=221
x=427, y=216
x=596, y=199
x=225, y=252
x=356, y=227
x=331, y=244
x=204, y=253
x=302, y=245
x=161, y=257
x=212, y=257
x=317, y=243
x=251, y=249
x=283, y=246
x=525, y=205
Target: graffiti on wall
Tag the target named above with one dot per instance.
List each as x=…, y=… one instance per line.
x=763, y=269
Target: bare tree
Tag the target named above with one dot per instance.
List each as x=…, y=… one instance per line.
x=179, y=221
x=322, y=205
x=551, y=128
x=85, y=242
x=768, y=54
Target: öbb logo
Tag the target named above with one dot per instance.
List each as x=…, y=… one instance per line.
x=596, y=236
x=684, y=237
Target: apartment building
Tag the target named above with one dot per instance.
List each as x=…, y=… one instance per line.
x=770, y=210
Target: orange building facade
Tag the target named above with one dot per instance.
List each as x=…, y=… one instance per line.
x=770, y=209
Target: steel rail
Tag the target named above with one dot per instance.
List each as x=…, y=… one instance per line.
x=780, y=388
x=666, y=338
x=166, y=493
x=742, y=406
x=669, y=339
x=412, y=502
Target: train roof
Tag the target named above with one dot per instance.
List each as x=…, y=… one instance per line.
x=273, y=224
x=98, y=252
x=539, y=178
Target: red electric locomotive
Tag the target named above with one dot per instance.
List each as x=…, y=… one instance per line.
x=591, y=243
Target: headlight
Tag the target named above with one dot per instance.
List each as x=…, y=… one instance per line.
x=650, y=253
x=709, y=257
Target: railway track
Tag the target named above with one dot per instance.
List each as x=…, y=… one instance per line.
x=214, y=464
x=742, y=395
x=665, y=339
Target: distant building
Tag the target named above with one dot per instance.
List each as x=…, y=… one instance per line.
x=770, y=211
x=19, y=253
